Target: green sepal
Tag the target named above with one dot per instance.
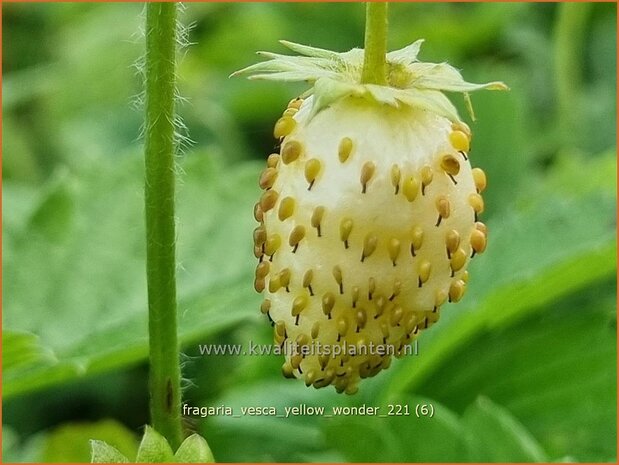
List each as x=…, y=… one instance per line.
x=102, y=452
x=154, y=448
x=194, y=449
x=334, y=75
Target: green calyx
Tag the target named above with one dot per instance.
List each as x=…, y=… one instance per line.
x=336, y=75
x=154, y=448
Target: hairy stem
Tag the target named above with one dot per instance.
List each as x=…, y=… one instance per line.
x=165, y=395
x=374, y=59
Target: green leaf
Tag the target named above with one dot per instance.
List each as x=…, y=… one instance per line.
x=10, y=444
x=25, y=449
x=72, y=442
x=379, y=443
x=154, y=448
x=567, y=177
x=240, y=437
x=266, y=438
x=399, y=438
x=556, y=372
x=492, y=434
x=93, y=281
x=22, y=349
x=102, y=452
x=194, y=449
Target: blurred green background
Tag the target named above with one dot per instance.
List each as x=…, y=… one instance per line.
x=522, y=370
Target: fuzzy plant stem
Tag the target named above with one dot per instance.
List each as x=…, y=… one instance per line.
x=374, y=61
x=164, y=383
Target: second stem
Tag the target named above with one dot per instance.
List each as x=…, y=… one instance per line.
x=374, y=60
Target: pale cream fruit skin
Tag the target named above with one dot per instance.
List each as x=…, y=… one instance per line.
x=385, y=136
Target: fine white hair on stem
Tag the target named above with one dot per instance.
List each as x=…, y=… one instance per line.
x=182, y=141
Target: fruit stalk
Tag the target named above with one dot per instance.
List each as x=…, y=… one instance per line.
x=374, y=60
x=164, y=383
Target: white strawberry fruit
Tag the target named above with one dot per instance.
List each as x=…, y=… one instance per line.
x=369, y=215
